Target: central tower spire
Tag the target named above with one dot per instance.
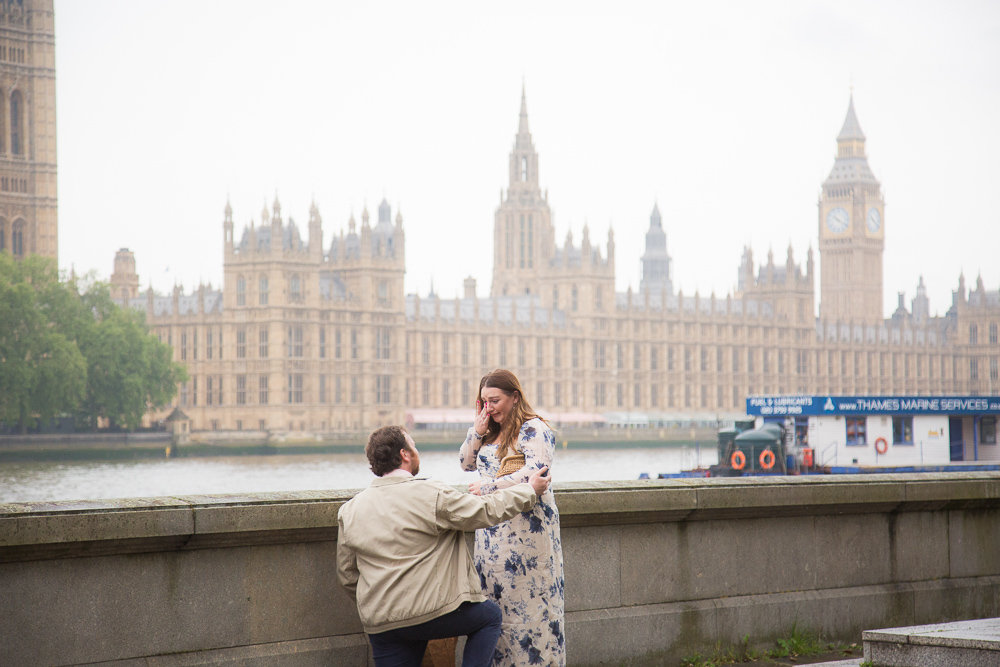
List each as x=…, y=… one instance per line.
x=522, y=128
x=523, y=239
x=523, y=159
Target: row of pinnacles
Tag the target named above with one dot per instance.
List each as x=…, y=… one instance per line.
x=363, y=267
x=385, y=240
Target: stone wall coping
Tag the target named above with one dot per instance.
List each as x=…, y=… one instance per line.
x=63, y=529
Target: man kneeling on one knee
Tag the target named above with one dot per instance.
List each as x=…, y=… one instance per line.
x=401, y=554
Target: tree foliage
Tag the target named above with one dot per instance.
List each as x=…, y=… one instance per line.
x=128, y=370
x=62, y=351
x=42, y=371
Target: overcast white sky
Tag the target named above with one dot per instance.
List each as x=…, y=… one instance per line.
x=725, y=113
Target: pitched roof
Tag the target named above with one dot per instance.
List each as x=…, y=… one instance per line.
x=851, y=128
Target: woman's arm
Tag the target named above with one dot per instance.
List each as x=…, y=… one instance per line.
x=467, y=454
x=538, y=444
x=473, y=440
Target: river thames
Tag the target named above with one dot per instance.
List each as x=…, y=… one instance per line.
x=90, y=480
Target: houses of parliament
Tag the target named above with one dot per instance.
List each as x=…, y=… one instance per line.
x=305, y=336
x=315, y=337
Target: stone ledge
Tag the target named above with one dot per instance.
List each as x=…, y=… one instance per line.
x=891, y=654
x=976, y=634
x=320, y=652
x=203, y=521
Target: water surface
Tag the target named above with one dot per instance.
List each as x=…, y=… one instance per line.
x=89, y=480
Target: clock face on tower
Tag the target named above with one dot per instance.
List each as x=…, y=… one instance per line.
x=837, y=220
x=874, y=220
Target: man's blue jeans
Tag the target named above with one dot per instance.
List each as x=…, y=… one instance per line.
x=404, y=647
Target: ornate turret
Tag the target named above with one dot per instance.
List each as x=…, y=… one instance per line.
x=124, y=280
x=276, y=240
x=920, y=306
x=611, y=247
x=657, y=273
x=366, y=234
x=315, y=231
x=227, y=227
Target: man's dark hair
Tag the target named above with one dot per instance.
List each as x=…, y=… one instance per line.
x=383, y=449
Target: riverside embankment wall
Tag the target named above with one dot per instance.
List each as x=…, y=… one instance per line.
x=655, y=570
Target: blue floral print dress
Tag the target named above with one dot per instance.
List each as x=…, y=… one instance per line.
x=520, y=562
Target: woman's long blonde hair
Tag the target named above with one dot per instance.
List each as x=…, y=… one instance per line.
x=505, y=436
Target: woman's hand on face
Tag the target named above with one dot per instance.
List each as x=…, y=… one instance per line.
x=475, y=488
x=482, y=422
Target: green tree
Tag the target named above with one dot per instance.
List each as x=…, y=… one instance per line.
x=128, y=370
x=42, y=371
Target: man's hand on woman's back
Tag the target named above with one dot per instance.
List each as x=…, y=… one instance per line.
x=540, y=481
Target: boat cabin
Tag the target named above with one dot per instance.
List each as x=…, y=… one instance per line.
x=883, y=430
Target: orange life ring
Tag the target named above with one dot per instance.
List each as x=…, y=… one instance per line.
x=738, y=460
x=881, y=446
x=767, y=459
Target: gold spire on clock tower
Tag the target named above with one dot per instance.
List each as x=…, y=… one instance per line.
x=851, y=232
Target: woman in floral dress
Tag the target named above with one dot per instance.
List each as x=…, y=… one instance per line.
x=520, y=561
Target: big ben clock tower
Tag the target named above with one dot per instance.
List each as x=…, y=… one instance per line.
x=851, y=232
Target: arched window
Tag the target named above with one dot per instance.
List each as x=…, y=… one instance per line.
x=524, y=169
x=3, y=234
x=17, y=239
x=263, y=290
x=973, y=334
x=296, y=287
x=241, y=291
x=16, y=123
x=574, y=298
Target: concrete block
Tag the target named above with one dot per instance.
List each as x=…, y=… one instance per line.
x=277, y=515
x=918, y=545
x=949, y=489
x=861, y=545
x=780, y=497
x=697, y=560
x=292, y=593
x=592, y=561
x=836, y=614
x=974, y=537
x=120, y=520
x=624, y=503
x=113, y=608
x=651, y=635
x=974, y=643
x=956, y=599
x=885, y=654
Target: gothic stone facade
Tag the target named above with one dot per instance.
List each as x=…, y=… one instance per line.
x=27, y=128
x=304, y=337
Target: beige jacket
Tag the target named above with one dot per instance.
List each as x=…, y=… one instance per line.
x=401, y=551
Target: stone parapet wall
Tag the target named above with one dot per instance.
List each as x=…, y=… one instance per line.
x=655, y=570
